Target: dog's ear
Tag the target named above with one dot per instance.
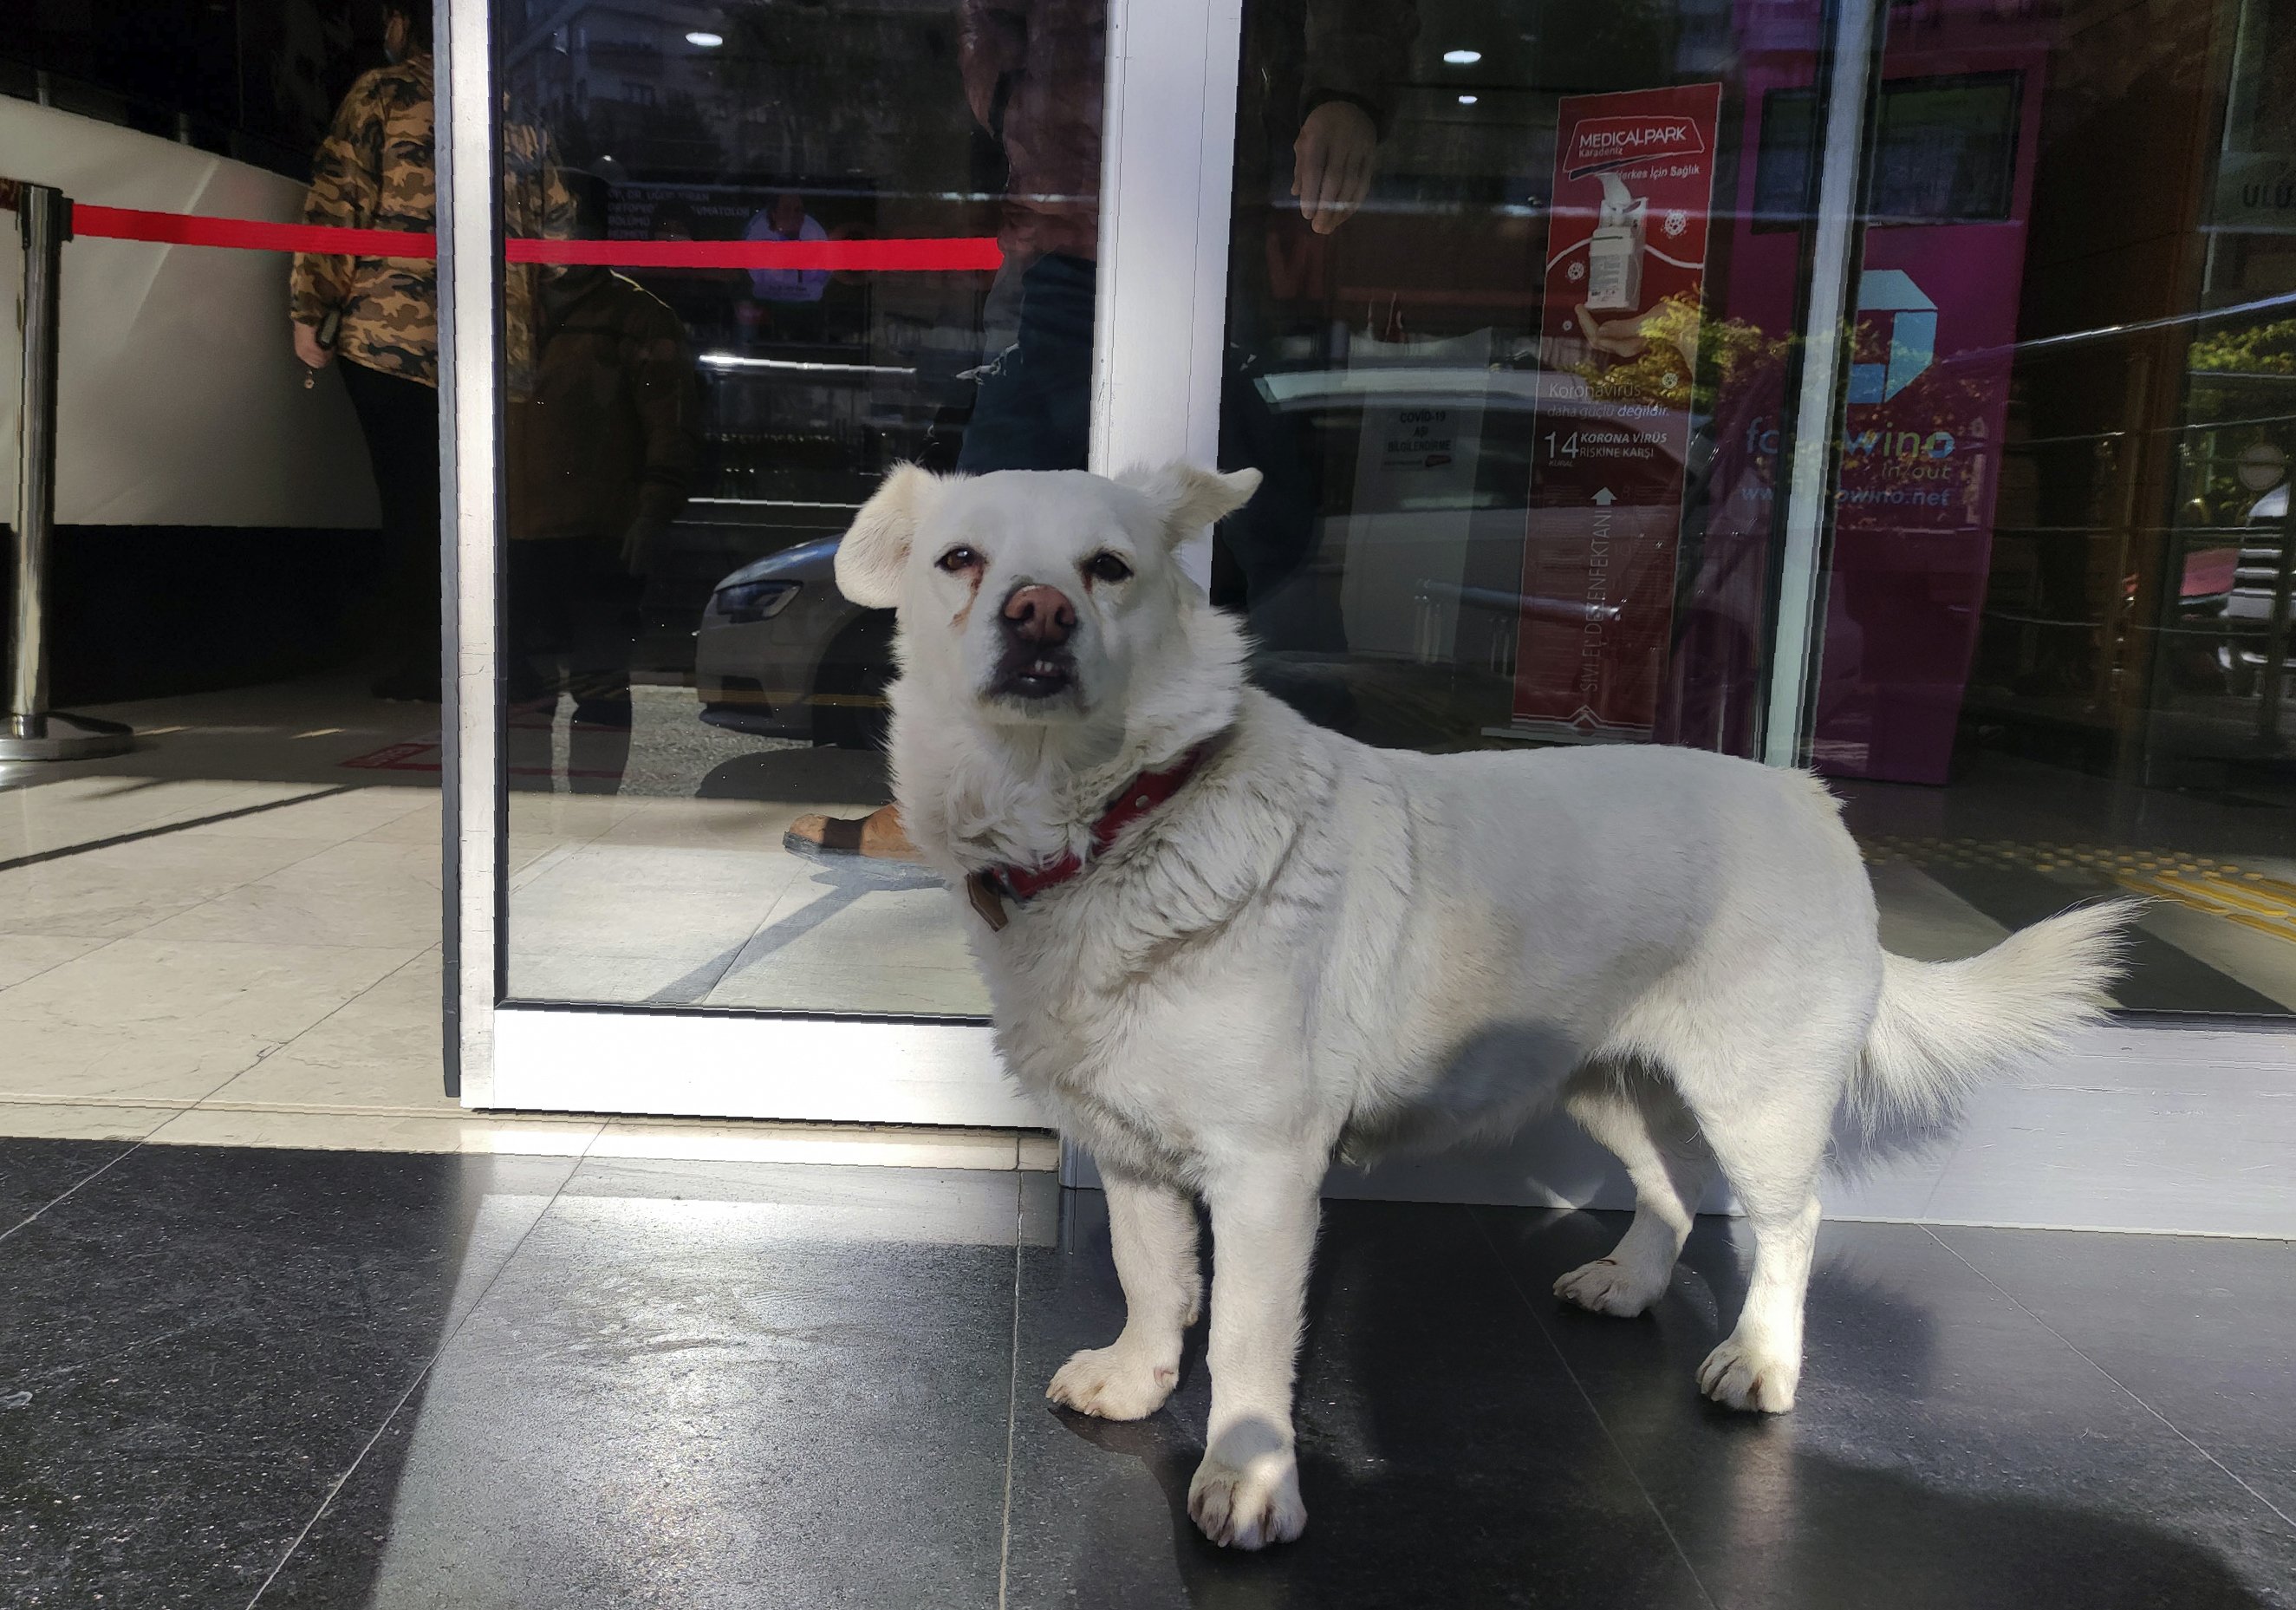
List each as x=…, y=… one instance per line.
x=1189, y=498
x=876, y=547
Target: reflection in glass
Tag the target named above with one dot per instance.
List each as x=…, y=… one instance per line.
x=1527, y=411
x=684, y=682
x=2051, y=668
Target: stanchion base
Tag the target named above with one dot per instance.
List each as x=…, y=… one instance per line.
x=68, y=738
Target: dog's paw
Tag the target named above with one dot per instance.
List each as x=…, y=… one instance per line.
x=1113, y=1384
x=1249, y=1506
x=1607, y=1286
x=1744, y=1374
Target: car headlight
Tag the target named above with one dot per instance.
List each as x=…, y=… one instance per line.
x=748, y=601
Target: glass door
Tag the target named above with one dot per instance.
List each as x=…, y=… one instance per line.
x=746, y=259
x=1512, y=320
x=1775, y=377
x=1785, y=380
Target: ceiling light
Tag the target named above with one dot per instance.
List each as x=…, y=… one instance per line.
x=1461, y=57
x=1466, y=100
x=705, y=40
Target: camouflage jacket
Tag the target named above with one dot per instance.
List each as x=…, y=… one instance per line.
x=375, y=170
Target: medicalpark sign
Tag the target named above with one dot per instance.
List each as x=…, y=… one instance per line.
x=1601, y=142
x=1626, y=274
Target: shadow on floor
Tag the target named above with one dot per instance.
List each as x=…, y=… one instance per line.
x=1808, y=1532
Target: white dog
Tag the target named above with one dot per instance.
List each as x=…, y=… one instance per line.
x=1225, y=945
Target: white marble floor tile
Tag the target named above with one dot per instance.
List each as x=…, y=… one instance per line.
x=125, y=888
x=310, y=813
x=821, y=921
x=574, y=975
x=373, y=1132
x=24, y=955
x=350, y=893
x=270, y=993
x=147, y=1062
x=712, y=824
x=82, y=809
x=63, y=1121
x=772, y=983
x=380, y=1049
x=645, y=900
x=420, y=825
x=577, y=816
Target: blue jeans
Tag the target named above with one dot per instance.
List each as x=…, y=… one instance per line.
x=1034, y=407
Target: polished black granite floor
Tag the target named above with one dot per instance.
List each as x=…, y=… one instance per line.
x=346, y=1379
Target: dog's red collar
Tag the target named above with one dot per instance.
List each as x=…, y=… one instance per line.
x=990, y=889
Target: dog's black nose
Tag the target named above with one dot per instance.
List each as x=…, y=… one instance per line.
x=1040, y=614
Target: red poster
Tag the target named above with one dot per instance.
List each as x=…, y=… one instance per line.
x=1626, y=273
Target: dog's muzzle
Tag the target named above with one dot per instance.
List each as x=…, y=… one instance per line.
x=1036, y=663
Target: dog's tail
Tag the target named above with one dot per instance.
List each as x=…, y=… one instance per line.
x=1945, y=1027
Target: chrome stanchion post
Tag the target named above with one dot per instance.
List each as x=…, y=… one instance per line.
x=33, y=731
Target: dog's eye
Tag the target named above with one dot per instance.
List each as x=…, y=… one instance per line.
x=1107, y=567
x=957, y=559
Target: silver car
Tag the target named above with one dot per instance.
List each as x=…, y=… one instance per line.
x=781, y=653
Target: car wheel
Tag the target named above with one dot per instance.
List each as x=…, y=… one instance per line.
x=850, y=709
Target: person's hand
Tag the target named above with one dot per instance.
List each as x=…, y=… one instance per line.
x=1621, y=338
x=308, y=350
x=1331, y=169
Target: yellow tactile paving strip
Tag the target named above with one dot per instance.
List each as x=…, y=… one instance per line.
x=2218, y=888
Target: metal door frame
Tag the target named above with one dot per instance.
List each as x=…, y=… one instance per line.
x=1161, y=319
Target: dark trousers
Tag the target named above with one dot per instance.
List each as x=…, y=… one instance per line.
x=1034, y=410
x=399, y=419
x=571, y=615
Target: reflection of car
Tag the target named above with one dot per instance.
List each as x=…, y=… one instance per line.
x=780, y=652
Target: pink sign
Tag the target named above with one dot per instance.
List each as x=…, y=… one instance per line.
x=1626, y=274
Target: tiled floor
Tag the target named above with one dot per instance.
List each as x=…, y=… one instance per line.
x=231, y=935
x=271, y=1378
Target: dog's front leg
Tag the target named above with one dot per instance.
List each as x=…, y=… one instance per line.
x=1246, y=1493
x=1152, y=1228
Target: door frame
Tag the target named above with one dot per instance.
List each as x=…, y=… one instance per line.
x=1160, y=324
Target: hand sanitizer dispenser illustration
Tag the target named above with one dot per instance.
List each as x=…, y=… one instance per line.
x=1614, y=256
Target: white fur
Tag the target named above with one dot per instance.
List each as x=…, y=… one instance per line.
x=1317, y=949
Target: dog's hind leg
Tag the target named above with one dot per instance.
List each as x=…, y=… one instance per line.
x=1767, y=1117
x=1646, y=1126
x=1152, y=1231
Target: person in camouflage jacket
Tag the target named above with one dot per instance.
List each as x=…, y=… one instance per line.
x=376, y=169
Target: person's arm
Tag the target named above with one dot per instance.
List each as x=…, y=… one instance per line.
x=992, y=47
x=346, y=182
x=1355, y=51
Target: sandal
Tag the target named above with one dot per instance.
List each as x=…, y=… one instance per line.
x=839, y=836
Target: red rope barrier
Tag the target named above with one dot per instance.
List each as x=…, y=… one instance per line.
x=954, y=254
x=248, y=235
x=944, y=256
